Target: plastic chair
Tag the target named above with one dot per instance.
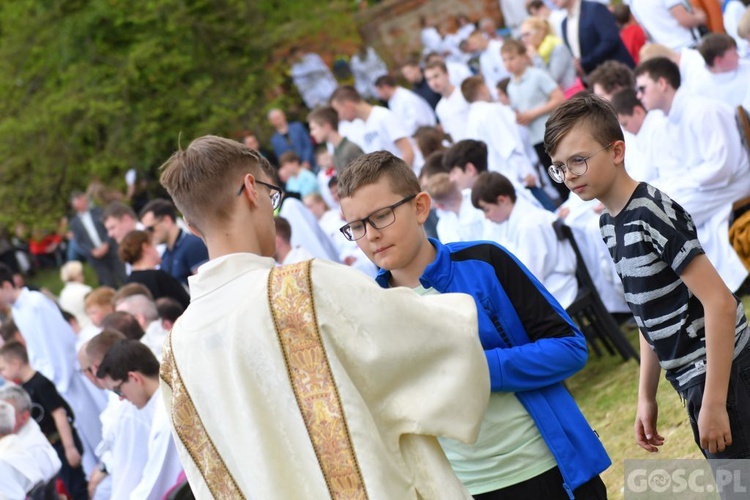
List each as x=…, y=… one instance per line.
x=588, y=311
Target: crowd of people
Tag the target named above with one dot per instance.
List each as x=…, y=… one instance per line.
x=475, y=138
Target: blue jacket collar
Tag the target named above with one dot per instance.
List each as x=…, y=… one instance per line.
x=435, y=275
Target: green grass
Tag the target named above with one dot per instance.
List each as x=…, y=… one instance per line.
x=49, y=279
x=606, y=391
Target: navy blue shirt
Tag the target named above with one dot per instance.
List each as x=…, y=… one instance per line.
x=188, y=253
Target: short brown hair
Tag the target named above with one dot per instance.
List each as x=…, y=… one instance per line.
x=283, y=228
x=130, y=289
x=203, y=179
x=15, y=350
x=470, y=87
x=346, y=93
x=124, y=323
x=97, y=347
x=131, y=247
x=385, y=81
x=625, y=101
x=585, y=108
x=100, y=296
x=433, y=165
x=513, y=46
x=288, y=157
x=324, y=115
x=715, y=45
x=370, y=168
x=440, y=187
x=436, y=64
x=490, y=185
x=612, y=76
x=429, y=140
x=118, y=210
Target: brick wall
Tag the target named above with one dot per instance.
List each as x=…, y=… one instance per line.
x=393, y=27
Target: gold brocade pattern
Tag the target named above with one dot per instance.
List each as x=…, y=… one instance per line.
x=192, y=433
x=293, y=311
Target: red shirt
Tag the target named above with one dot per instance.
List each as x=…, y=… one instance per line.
x=634, y=38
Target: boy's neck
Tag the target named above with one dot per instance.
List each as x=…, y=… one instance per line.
x=620, y=193
x=409, y=275
x=518, y=76
x=335, y=138
x=27, y=372
x=150, y=385
x=363, y=110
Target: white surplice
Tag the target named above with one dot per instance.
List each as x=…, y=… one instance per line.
x=18, y=470
x=163, y=466
x=51, y=344
x=406, y=368
x=412, y=109
x=44, y=455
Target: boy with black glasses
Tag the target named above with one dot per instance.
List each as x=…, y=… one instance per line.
x=534, y=442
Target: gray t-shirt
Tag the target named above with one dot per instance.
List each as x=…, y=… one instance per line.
x=345, y=153
x=531, y=91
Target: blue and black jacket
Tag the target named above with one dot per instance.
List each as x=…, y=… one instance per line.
x=531, y=345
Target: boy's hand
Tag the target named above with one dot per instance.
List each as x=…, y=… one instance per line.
x=646, y=434
x=713, y=428
x=524, y=117
x=96, y=477
x=72, y=456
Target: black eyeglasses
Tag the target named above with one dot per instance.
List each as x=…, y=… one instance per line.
x=379, y=219
x=150, y=229
x=640, y=89
x=118, y=389
x=277, y=194
x=576, y=165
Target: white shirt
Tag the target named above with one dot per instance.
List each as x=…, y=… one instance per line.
x=125, y=438
x=457, y=72
x=648, y=146
x=732, y=13
x=88, y=225
x=306, y=231
x=492, y=67
x=411, y=109
x=572, y=29
x=529, y=235
x=163, y=465
x=382, y=129
x=693, y=70
x=431, y=39
x=661, y=27
x=453, y=112
x=366, y=70
x=494, y=124
x=18, y=471
x=72, y=300
x=729, y=88
x=313, y=79
x=44, y=455
x=466, y=225
x=296, y=254
x=153, y=338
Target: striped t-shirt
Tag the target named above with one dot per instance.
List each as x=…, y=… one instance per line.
x=651, y=241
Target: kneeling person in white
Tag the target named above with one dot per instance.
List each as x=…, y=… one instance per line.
x=130, y=370
x=528, y=233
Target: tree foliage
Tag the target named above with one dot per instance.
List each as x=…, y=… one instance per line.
x=91, y=88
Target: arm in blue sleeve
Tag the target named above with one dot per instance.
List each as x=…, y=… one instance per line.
x=554, y=347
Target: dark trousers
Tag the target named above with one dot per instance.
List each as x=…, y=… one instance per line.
x=738, y=409
x=547, y=486
x=74, y=479
x=546, y=161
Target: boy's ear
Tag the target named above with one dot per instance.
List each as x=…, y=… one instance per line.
x=618, y=150
x=471, y=169
x=423, y=203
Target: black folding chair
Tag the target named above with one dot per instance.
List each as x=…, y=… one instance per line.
x=588, y=311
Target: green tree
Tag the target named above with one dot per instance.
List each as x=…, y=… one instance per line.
x=91, y=88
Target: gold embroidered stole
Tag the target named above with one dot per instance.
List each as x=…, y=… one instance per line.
x=193, y=435
x=290, y=298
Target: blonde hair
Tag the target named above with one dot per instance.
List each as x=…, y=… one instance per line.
x=743, y=26
x=203, y=179
x=538, y=24
x=654, y=50
x=71, y=271
x=441, y=188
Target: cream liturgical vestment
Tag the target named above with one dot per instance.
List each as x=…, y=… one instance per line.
x=313, y=382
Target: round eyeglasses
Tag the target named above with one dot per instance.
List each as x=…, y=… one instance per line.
x=576, y=165
x=276, y=193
